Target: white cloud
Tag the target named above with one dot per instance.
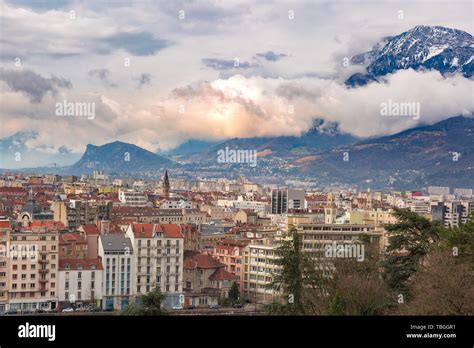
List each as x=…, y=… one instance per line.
x=255, y=103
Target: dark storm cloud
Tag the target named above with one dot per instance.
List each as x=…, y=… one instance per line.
x=32, y=84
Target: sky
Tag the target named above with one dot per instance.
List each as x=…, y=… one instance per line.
x=163, y=72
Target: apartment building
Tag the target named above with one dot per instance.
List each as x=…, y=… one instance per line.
x=230, y=252
x=162, y=216
x=287, y=198
x=72, y=245
x=81, y=212
x=33, y=269
x=316, y=236
x=116, y=252
x=80, y=282
x=5, y=229
x=259, y=271
x=133, y=198
x=371, y=217
x=158, y=259
x=176, y=203
x=457, y=212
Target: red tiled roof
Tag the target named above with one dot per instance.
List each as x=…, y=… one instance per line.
x=172, y=231
x=90, y=229
x=19, y=190
x=66, y=238
x=198, y=260
x=48, y=224
x=146, y=230
x=222, y=274
x=85, y=263
x=142, y=230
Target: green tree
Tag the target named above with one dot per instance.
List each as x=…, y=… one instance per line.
x=460, y=240
x=150, y=305
x=290, y=279
x=410, y=239
x=234, y=293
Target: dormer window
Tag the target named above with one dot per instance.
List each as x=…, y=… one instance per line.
x=67, y=266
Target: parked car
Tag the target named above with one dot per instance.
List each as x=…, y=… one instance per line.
x=214, y=306
x=238, y=305
x=177, y=307
x=68, y=310
x=11, y=312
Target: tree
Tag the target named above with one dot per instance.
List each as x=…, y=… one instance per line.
x=150, y=305
x=410, y=239
x=460, y=240
x=290, y=280
x=444, y=285
x=234, y=293
x=356, y=287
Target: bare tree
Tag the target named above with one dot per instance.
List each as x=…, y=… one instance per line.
x=444, y=285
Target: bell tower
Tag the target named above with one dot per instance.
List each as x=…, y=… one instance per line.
x=166, y=185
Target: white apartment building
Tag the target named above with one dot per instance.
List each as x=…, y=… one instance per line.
x=176, y=204
x=259, y=271
x=261, y=208
x=132, y=198
x=80, y=282
x=116, y=252
x=158, y=259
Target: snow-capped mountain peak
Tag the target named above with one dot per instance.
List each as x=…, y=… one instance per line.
x=444, y=49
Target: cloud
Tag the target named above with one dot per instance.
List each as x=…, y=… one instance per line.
x=144, y=80
x=138, y=44
x=32, y=84
x=196, y=91
x=40, y=5
x=271, y=56
x=102, y=75
x=223, y=64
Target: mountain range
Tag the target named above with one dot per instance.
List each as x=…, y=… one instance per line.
x=438, y=154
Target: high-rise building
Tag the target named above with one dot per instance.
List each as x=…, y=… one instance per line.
x=287, y=198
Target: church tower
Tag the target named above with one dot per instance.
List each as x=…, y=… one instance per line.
x=166, y=185
x=330, y=209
